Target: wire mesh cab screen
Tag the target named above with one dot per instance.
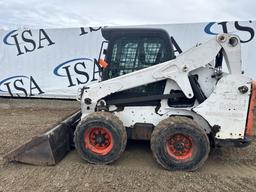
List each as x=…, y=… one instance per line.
x=132, y=53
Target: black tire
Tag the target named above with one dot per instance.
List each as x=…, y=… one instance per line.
x=179, y=143
x=115, y=130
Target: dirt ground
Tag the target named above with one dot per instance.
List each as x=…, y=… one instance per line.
x=227, y=169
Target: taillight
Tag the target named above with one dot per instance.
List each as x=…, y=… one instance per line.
x=249, y=126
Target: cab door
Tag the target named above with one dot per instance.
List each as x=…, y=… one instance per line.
x=134, y=52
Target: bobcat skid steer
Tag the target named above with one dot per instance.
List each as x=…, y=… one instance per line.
x=184, y=105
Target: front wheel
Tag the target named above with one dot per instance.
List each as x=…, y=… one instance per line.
x=179, y=143
x=100, y=138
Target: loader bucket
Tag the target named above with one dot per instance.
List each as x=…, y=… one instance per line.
x=48, y=148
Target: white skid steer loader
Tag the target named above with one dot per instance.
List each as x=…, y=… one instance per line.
x=184, y=105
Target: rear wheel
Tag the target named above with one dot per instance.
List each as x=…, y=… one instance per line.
x=100, y=138
x=179, y=143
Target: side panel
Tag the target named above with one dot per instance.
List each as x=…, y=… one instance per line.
x=132, y=115
x=227, y=107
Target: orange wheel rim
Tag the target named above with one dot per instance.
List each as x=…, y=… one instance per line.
x=98, y=140
x=179, y=146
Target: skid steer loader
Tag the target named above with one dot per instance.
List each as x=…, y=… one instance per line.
x=183, y=104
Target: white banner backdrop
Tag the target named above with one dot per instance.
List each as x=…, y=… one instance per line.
x=56, y=62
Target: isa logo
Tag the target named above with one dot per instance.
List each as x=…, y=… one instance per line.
x=20, y=86
x=27, y=40
x=77, y=71
x=245, y=30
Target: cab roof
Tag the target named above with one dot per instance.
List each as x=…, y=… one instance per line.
x=110, y=33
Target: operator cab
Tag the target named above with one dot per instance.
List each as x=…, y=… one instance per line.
x=134, y=49
x=130, y=50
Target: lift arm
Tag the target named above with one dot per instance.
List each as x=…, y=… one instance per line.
x=176, y=70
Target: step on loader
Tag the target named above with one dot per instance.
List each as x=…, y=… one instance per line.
x=184, y=104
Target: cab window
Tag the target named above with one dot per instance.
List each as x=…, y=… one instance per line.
x=131, y=54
